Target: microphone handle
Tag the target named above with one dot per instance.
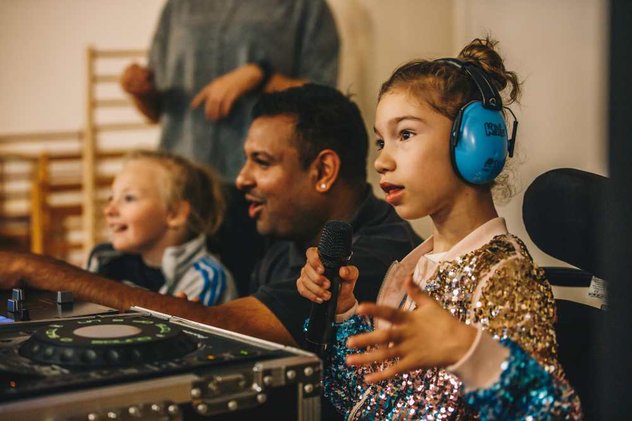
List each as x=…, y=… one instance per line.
x=322, y=316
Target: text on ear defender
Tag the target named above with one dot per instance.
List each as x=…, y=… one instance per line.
x=494, y=129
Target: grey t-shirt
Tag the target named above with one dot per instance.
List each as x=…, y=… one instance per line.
x=199, y=40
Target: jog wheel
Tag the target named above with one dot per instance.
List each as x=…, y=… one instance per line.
x=107, y=342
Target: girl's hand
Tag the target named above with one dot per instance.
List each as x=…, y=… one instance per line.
x=313, y=285
x=427, y=337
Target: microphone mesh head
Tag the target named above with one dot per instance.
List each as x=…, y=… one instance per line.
x=335, y=240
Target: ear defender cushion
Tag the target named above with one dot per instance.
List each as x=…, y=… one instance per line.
x=478, y=143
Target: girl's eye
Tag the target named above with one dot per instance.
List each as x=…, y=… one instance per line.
x=406, y=134
x=379, y=144
x=129, y=198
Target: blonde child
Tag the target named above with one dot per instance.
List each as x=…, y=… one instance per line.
x=479, y=341
x=160, y=211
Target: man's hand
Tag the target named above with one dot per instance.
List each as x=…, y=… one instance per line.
x=220, y=95
x=137, y=80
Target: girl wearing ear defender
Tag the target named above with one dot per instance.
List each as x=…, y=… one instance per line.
x=160, y=209
x=464, y=324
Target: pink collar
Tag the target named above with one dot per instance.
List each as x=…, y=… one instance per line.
x=392, y=288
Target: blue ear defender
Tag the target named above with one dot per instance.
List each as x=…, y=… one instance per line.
x=479, y=142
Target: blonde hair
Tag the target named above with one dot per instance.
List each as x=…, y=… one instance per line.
x=196, y=184
x=446, y=88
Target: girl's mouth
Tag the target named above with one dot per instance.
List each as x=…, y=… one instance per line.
x=393, y=192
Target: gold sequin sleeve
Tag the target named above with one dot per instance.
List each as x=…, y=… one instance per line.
x=516, y=302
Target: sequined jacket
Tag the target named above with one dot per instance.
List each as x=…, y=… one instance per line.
x=488, y=279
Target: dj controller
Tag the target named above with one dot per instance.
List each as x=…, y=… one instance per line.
x=89, y=362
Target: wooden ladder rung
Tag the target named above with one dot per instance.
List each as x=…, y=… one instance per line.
x=119, y=53
x=112, y=102
x=106, y=78
x=123, y=126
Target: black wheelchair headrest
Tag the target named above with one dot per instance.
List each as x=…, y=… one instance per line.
x=563, y=211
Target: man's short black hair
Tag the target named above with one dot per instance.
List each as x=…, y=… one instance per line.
x=325, y=119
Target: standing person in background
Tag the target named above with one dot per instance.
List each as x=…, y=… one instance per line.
x=160, y=210
x=485, y=322
x=209, y=62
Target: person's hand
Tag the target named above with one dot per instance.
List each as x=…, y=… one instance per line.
x=182, y=294
x=427, y=337
x=313, y=285
x=219, y=96
x=137, y=80
x=279, y=82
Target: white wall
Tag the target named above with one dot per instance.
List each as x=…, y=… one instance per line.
x=42, y=47
x=377, y=37
x=558, y=47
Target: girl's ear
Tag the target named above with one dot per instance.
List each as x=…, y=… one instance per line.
x=326, y=167
x=179, y=215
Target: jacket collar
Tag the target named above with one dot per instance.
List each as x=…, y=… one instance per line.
x=176, y=257
x=393, y=286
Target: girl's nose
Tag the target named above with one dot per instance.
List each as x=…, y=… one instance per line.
x=384, y=162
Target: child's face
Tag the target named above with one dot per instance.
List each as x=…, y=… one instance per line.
x=136, y=213
x=414, y=156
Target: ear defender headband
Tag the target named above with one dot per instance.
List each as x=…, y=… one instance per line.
x=479, y=144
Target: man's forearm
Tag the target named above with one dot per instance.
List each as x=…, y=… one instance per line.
x=245, y=315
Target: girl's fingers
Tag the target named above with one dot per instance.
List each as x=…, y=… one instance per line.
x=401, y=366
x=378, y=376
x=387, y=313
x=306, y=293
x=349, y=273
x=314, y=261
x=418, y=295
x=312, y=291
x=377, y=337
x=371, y=357
x=313, y=276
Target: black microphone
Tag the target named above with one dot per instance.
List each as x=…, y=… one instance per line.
x=334, y=250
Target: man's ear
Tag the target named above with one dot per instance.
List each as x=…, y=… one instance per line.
x=179, y=215
x=326, y=168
